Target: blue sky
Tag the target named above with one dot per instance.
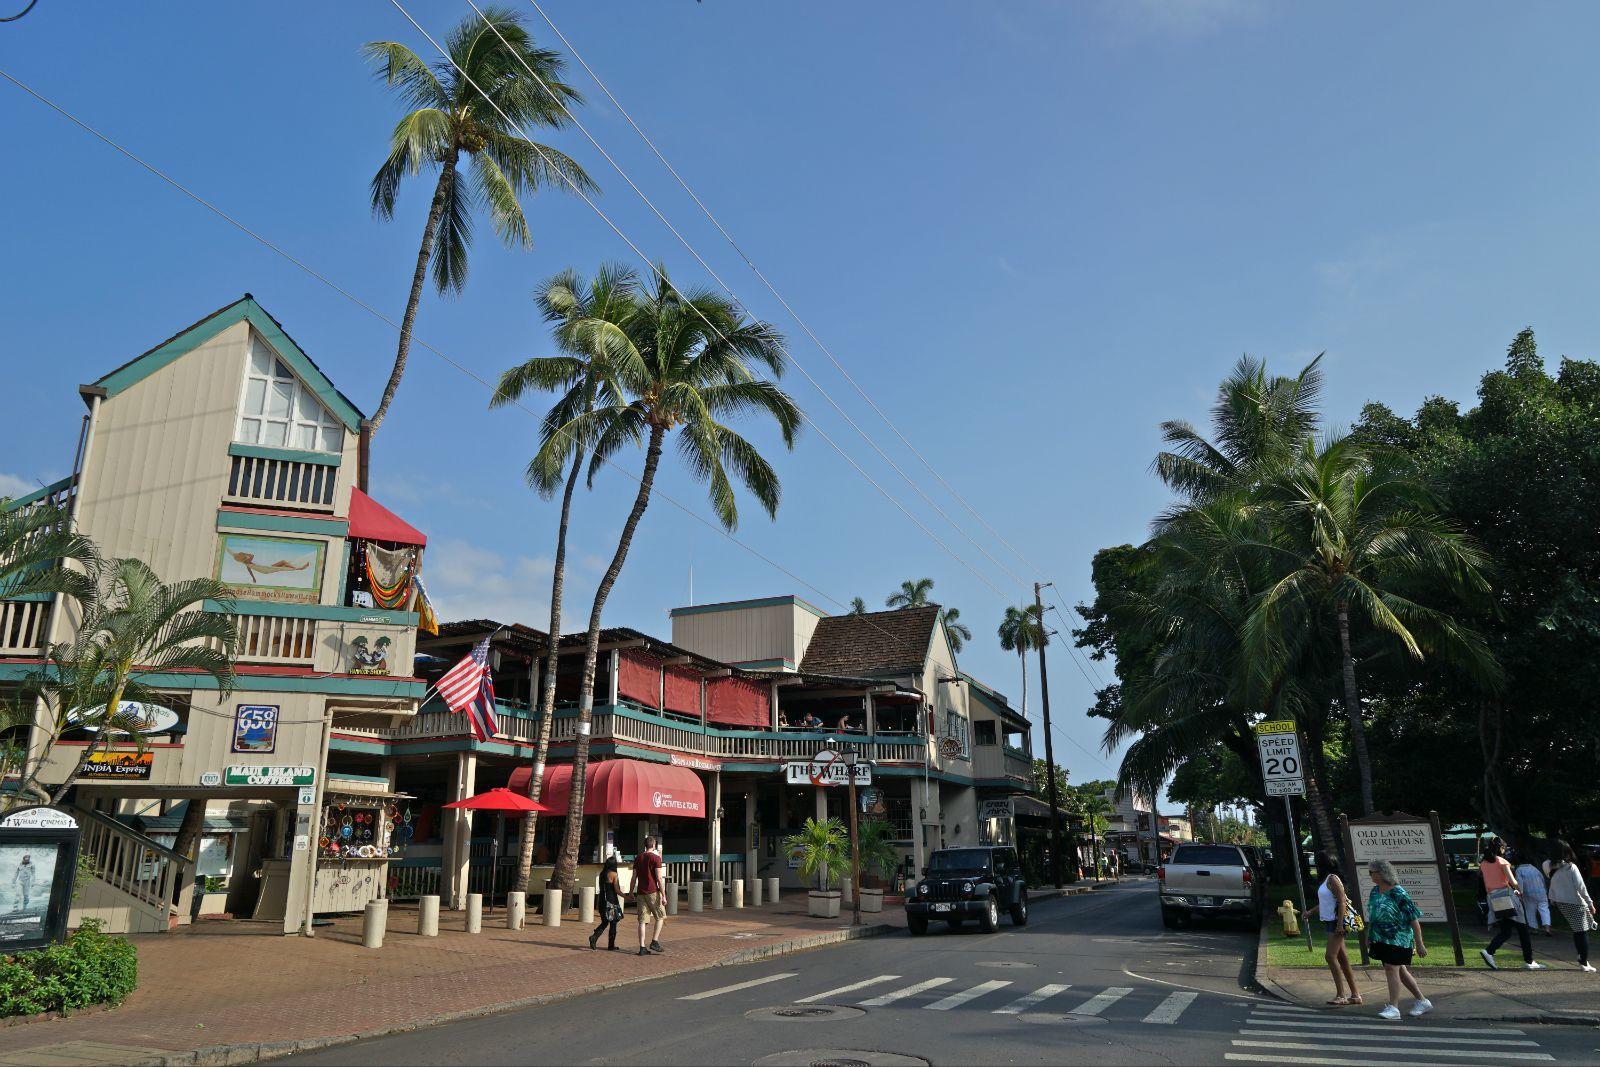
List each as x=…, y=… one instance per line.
x=1031, y=230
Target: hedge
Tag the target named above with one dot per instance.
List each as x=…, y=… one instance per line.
x=88, y=968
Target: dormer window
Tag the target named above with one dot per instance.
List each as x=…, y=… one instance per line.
x=279, y=411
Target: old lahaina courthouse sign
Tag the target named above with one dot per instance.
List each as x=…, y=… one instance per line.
x=1414, y=847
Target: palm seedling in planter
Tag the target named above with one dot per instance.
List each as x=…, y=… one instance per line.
x=824, y=849
x=879, y=858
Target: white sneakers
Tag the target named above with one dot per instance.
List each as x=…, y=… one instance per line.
x=1488, y=959
x=1589, y=967
x=1421, y=1007
x=1390, y=1012
x=1534, y=966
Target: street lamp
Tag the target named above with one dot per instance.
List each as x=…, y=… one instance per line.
x=850, y=757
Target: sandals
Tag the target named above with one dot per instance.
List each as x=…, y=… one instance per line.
x=1345, y=1002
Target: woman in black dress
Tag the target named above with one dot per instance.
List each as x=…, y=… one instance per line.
x=610, y=906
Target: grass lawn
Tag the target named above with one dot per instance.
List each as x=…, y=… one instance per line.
x=1291, y=952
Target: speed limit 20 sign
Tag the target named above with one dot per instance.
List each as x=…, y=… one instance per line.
x=1281, y=769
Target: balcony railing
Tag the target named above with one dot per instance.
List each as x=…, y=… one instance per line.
x=22, y=626
x=276, y=639
x=281, y=482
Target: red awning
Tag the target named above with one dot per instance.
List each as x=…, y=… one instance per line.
x=371, y=521
x=620, y=787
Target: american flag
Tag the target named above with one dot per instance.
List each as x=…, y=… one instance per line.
x=468, y=688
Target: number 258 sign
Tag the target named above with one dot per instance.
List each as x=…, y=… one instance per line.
x=1281, y=769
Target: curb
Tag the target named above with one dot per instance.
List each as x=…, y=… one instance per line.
x=256, y=1052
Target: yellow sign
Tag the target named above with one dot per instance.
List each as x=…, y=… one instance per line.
x=1284, y=727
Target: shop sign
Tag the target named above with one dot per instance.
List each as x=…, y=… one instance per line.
x=1397, y=842
x=210, y=779
x=872, y=802
x=132, y=717
x=119, y=766
x=825, y=769
x=668, y=804
x=269, y=776
x=38, y=862
x=368, y=655
x=284, y=570
x=255, y=728
x=694, y=763
x=995, y=809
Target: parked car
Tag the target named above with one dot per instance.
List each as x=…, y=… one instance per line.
x=969, y=883
x=1209, y=881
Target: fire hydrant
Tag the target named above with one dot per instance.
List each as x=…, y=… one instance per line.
x=1291, y=920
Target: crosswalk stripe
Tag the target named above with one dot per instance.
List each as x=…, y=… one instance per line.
x=741, y=985
x=851, y=988
x=1168, y=1010
x=901, y=994
x=955, y=1000
x=1286, y=1007
x=1330, y=1062
x=1293, y=1046
x=1333, y=1027
x=1038, y=996
x=1404, y=1038
x=1101, y=1001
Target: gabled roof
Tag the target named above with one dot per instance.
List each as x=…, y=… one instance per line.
x=245, y=309
x=875, y=642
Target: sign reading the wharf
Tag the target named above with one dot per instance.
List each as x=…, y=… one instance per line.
x=119, y=766
x=694, y=763
x=270, y=776
x=825, y=768
x=1397, y=842
x=1281, y=768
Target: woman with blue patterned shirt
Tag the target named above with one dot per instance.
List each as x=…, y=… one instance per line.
x=1394, y=931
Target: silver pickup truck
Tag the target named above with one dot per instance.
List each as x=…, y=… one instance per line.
x=1199, y=881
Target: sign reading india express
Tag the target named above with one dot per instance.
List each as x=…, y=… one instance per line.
x=272, y=776
x=120, y=766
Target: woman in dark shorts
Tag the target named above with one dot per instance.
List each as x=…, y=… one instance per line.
x=1394, y=931
x=1332, y=906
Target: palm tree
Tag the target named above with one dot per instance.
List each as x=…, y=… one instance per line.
x=1353, y=537
x=35, y=542
x=858, y=606
x=682, y=362
x=824, y=849
x=1022, y=631
x=955, y=632
x=581, y=377
x=911, y=594
x=476, y=104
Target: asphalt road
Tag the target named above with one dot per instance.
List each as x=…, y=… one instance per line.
x=1092, y=979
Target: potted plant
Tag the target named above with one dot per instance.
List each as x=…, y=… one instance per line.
x=876, y=851
x=824, y=849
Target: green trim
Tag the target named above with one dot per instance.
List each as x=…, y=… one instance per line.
x=39, y=494
x=33, y=598
x=252, y=683
x=330, y=612
x=245, y=310
x=344, y=578
x=288, y=455
x=254, y=520
x=346, y=777
x=740, y=605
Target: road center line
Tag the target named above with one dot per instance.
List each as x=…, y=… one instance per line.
x=742, y=985
x=851, y=988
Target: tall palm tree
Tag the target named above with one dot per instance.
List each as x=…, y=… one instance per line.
x=1022, y=631
x=858, y=606
x=911, y=594
x=955, y=632
x=582, y=378
x=474, y=104
x=683, y=361
x=1353, y=538
x=36, y=540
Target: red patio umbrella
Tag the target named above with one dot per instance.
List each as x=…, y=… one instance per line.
x=501, y=799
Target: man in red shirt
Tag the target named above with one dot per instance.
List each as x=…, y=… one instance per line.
x=647, y=887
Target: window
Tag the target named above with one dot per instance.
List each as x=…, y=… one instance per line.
x=279, y=411
x=983, y=732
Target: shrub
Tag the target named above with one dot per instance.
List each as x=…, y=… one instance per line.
x=88, y=968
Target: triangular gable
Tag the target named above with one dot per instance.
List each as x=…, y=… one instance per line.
x=243, y=310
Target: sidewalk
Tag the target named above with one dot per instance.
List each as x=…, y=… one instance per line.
x=1559, y=994
x=241, y=992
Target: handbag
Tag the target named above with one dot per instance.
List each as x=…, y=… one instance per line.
x=613, y=911
x=1352, y=919
x=1502, y=901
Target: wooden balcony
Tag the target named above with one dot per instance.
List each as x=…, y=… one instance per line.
x=22, y=626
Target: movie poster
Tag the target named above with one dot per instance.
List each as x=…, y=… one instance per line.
x=27, y=873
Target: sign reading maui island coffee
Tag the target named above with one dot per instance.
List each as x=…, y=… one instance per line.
x=1413, y=846
x=825, y=768
x=270, y=776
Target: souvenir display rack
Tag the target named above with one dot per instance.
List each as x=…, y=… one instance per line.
x=356, y=828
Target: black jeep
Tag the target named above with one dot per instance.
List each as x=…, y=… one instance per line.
x=969, y=883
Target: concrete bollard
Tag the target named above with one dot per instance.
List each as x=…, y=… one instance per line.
x=753, y=892
x=374, y=921
x=586, y=904
x=716, y=894
x=552, y=907
x=697, y=896
x=737, y=887
x=474, y=913
x=772, y=890
x=845, y=895
x=428, y=916
x=672, y=897
x=516, y=910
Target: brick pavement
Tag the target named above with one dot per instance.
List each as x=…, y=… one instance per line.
x=241, y=984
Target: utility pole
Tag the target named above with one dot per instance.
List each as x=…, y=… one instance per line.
x=1049, y=746
x=850, y=761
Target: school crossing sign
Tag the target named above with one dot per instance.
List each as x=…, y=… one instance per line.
x=1282, y=770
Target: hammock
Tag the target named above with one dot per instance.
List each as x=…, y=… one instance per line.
x=389, y=573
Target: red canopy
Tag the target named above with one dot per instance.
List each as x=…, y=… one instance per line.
x=501, y=799
x=371, y=521
x=620, y=787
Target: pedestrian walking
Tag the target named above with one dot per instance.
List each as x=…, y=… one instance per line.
x=1394, y=933
x=647, y=887
x=1533, y=905
x=1571, y=896
x=1501, y=888
x=1334, y=910
x=610, y=906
